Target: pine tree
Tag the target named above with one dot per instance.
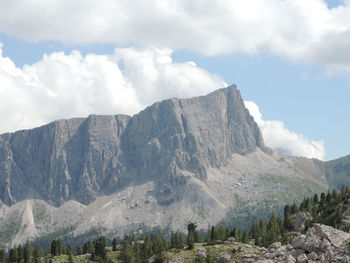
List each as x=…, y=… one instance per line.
x=13, y=255
x=2, y=255
x=54, y=248
x=190, y=241
x=27, y=253
x=20, y=253
x=147, y=248
x=79, y=251
x=114, y=244
x=127, y=255
x=191, y=228
x=100, y=247
x=36, y=255
x=70, y=257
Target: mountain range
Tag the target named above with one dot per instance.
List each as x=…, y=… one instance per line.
x=199, y=160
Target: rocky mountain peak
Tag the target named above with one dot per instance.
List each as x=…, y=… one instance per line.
x=81, y=158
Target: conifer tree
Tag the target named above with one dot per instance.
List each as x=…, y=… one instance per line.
x=27, y=253
x=13, y=255
x=114, y=244
x=2, y=255
x=79, y=251
x=36, y=255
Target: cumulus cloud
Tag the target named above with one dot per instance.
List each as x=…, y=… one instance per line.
x=278, y=137
x=300, y=30
x=71, y=85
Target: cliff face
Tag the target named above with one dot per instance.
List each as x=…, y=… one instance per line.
x=80, y=159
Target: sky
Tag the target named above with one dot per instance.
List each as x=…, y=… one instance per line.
x=289, y=58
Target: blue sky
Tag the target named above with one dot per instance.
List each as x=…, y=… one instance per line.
x=301, y=82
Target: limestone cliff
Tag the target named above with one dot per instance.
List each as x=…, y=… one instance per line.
x=80, y=159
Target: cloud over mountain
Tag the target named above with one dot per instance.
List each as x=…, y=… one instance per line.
x=73, y=85
x=65, y=86
x=306, y=31
x=278, y=137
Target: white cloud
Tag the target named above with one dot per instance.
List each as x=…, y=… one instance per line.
x=301, y=30
x=65, y=86
x=278, y=137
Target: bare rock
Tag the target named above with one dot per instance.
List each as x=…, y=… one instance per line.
x=223, y=258
x=302, y=258
x=301, y=219
x=312, y=256
x=334, y=236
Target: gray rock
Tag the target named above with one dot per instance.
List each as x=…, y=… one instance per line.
x=329, y=254
x=297, y=252
x=290, y=259
x=334, y=236
x=299, y=241
x=301, y=219
x=312, y=256
x=324, y=245
x=345, y=259
x=302, y=258
x=231, y=239
x=321, y=258
x=223, y=258
x=83, y=158
x=273, y=247
x=158, y=157
x=312, y=244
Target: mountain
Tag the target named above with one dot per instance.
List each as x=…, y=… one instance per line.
x=337, y=172
x=180, y=160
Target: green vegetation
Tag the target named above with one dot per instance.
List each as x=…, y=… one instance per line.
x=328, y=208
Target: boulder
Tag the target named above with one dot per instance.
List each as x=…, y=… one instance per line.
x=302, y=258
x=301, y=219
x=224, y=257
x=334, y=236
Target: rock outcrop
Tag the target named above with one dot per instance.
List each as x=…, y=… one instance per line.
x=320, y=243
x=197, y=160
x=81, y=159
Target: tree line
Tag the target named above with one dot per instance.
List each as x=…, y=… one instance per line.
x=326, y=208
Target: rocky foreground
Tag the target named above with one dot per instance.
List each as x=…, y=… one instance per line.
x=320, y=243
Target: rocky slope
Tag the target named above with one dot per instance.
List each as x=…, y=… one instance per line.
x=321, y=243
x=337, y=172
x=178, y=161
x=81, y=159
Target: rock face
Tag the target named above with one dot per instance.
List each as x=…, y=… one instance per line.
x=301, y=219
x=81, y=159
x=197, y=160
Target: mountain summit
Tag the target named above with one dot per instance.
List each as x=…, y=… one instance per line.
x=199, y=160
x=81, y=159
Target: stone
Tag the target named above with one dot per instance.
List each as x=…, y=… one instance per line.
x=231, y=239
x=273, y=247
x=321, y=258
x=312, y=244
x=302, y=258
x=312, y=256
x=329, y=254
x=201, y=254
x=290, y=259
x=345, y=259
x=324, y=245
x=297, y=252
x=301, y=219
x=334, y=236
x=223, y=258
x=299, y=241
